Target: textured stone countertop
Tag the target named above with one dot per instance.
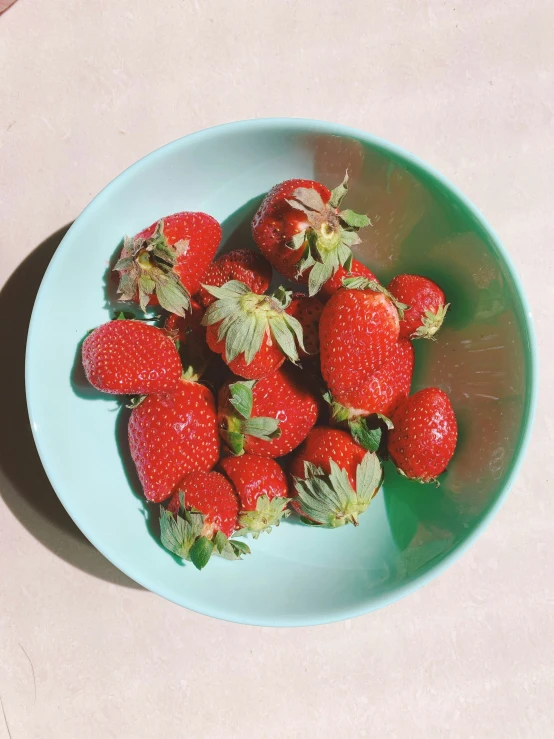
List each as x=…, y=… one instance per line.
x=86, y=88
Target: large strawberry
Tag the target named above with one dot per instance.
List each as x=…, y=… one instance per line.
x=358, y=331
x=167, y=261
x=424, y=436
x=380, y=394
x=335, y=479
x=243, y=265
x=270, y=417
x=302, y=232
x=427, y=306
x=131, y=358
x=262, y=488
x=357, y=269
x=253, y=333
x=307, y=312
x=200, y=518
x=172, y=435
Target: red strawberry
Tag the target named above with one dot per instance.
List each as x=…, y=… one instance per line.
x=335, y=479
x=427, y=306
x=270, y=417
x=307, y=312
x=200, y=517
x=131, y=358
x=358, y=331
x=244, y=265
x=167, y=261
x=380, y=394
x=173, y=435
x=253, y=333
x=357, y=269
x=301, y=231
x=262, y=489
x=191, y=335
x=424, y=436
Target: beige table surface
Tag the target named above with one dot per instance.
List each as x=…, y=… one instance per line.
x=86, y=88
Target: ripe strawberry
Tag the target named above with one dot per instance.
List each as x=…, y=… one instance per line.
x=167, y=261
x=358, y=331
x=244, y=265
x=335, y=479
x=424, y=436
x=357, y=269
x=270, y=417
x=253, y=333
x=173, y=435
x=427, y=306
x=191, y=335
x=131, y=358
x=301, y=231
x=200, y=517
x=262, y=489
x=379, y=394
x=307, y=312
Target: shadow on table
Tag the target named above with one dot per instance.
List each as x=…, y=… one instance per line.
x=23, y=482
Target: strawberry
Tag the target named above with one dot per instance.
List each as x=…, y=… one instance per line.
x=300, y=230
x=427, y=306
x=172, y=435
x=262, y=489
x=200, y=518
x=244, y=265
x=165, y=263
x=357, y=269
x=270, y=417
x=190, y=334
x=335, y=479
x=130, y=357
x=358, y=330
x=379, y=394
x=424, y=436
x=307, y=312
x=253, y=333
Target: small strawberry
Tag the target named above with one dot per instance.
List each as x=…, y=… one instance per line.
x=190, y=334
x=262, y=489
x=253, y=333
x=270, y=417
x=167, y=261
x=200, y=518
x=172, y=435
x=380, y=394
x=358, y=330
x=301, y=231
x=424, y=436
x=307, y=312
x=130, y=357
x=357, y=269
x=243, y=265
x=335, y=479
x=427, y=306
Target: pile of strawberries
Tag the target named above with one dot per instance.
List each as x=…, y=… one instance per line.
x=319, y=380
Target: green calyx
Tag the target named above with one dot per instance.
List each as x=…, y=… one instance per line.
x=366, y=429
x=246, y=318
x=326, y=243
x=329, y=499
x=430, y=323
x=268, y=513
x=239, y=421
x=362, y=283
x=182, y=535
x=146, y=267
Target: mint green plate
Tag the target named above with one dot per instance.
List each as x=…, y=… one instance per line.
x=485, y=359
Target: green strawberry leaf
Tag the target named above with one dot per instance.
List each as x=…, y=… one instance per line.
x=355, y=220
x=200, y=552
x=364, y=436
x=240, y=397
x=337, y=195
